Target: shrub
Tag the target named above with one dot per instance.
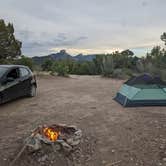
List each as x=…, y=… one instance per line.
x=163, y=74
x=118, y=73
x=122, y=73
x=47, y=65
x=61, y=69
x=107, y=65
x=6, y=61
x=25, y=61
x=140, y=66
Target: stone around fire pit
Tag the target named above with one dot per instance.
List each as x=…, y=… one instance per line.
x=61, y=137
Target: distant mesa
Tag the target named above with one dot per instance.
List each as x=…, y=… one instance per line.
x=62, y=55
x=63, y=51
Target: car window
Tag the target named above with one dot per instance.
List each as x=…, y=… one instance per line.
x=3, y=70
x=24, y=72
x=13, y=74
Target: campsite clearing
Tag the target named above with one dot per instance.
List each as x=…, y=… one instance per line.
x=111, y=133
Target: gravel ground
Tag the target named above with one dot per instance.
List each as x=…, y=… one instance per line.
x=128, y=136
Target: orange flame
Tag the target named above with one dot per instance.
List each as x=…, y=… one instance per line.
x=51, y=134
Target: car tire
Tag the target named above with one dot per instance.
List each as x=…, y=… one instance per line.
x=32, y=92
x=1, y=100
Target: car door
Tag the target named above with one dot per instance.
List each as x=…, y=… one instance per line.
x=11, y=86
x=25, y=80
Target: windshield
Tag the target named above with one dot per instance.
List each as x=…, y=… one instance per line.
x=2, y=71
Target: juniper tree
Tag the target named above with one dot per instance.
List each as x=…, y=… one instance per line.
x=163, y=37
x=10, y=48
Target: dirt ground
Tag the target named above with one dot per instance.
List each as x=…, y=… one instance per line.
x=128, y=136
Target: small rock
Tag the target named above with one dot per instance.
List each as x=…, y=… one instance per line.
x=104, y=162
x=43, y=158
x=164, y=159
x=162, y=146
x=56, y=147
x=113, y=151
x=66, y=146
x=133, y=140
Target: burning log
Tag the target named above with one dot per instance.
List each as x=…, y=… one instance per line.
x=51, y=134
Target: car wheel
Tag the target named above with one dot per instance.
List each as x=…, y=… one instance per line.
x=1, y=100
x=32, y=92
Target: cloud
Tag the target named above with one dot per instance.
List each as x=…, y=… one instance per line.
x=85, y=51
x=43, y=41
x=85, y=25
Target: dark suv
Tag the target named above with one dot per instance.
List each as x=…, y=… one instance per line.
x=16, y=81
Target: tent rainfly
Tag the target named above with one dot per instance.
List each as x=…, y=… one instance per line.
x=143, y=90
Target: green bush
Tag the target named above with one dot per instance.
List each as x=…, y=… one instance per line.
x=25, y=61
x=122, y=73
x=61, y=69
x=163, y=74
x=140, y=66
x=47, y=65
x=118, y=73
x=107, y=66
x=6, y=61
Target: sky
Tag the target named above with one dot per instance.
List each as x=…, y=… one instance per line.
x=85, y=26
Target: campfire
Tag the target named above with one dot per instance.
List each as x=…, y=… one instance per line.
x=66, y=136
x=63, y=136
x=51, y=134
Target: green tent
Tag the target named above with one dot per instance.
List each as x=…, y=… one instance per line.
x=143, y=90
